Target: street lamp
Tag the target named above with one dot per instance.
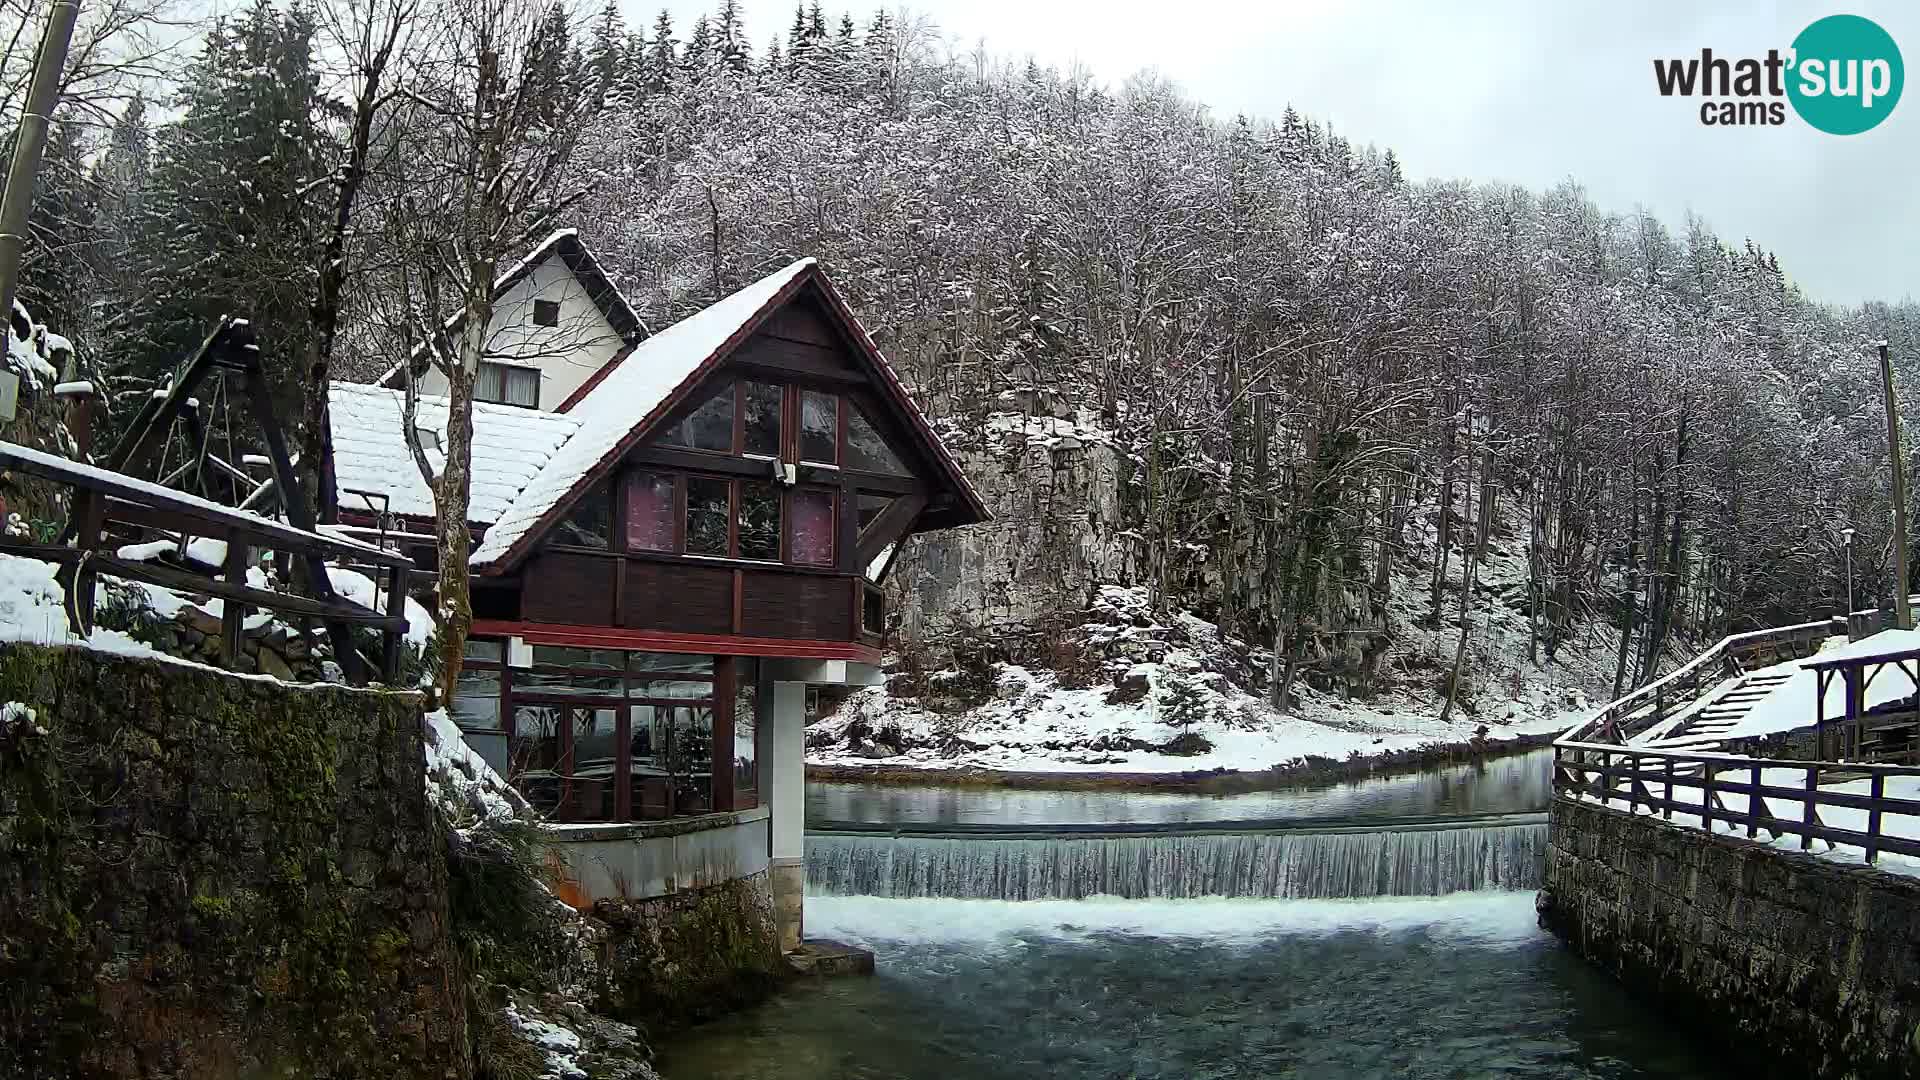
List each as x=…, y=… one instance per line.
x=1846, y=537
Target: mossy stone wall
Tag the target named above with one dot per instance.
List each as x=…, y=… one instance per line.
x=690, y=956
x=204, y=876
x=1799, y=965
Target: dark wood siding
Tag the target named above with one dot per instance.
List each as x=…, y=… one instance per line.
x=781, y=605
x=802, y=321
x=827, y=362
x=684, y=597
x=561, y=587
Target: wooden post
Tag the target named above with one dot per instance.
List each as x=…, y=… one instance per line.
x=1666, y=811
x=1706, y=797
x=233, y=612
x=87, y=520
x=1753, y=803
x=1806, y=820
x=1896, y=452
x=390, y=638
x=1878, y=792
x=29, y=143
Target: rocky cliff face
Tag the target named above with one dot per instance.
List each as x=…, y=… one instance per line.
x=1056, y=489
x=1038, y=640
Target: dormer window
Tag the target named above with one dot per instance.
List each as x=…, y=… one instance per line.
x=505, y=384
x=546, y=313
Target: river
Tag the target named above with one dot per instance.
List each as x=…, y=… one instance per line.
x=991, y=972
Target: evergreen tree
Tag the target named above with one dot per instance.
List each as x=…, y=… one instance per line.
x=662, y=59
x=225, y=226
x=553, y=69
x=877, y=57
x=606, y=58
x=697, y=59
x=775, y=65
x=56, y=267
x=731, y=52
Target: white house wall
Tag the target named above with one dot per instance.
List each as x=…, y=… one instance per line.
x=566, y=355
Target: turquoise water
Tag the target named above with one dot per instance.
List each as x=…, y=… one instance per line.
x=1457, y=986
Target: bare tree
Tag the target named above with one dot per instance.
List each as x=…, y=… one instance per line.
x=368, y=35
x=491, y=132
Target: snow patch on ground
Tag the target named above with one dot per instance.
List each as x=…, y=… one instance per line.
x=561, y=1044
x=461, y=780
x=1169, y=676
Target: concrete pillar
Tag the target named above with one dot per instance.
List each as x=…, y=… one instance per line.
x=784, y=772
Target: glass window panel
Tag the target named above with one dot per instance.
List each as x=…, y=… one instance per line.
x=669, y=688
x=484, y=649
x=746, y=764
x=650, y=512
x=650, y=739
x=476, y=699
x=522, y=387
x=595, y=748
x=534, y=764
x=566, y=684
x=709, y=427
x=813, y=528
x=566, y=656
x=867, y=451
x=819, y=427
x=490, y=383
x=691, y=758
x=760, y=423
x=759, y=520
x=589, y=523
x=676, y=663
x=707, y=515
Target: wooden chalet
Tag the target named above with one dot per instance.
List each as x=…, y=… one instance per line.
x=666, y=558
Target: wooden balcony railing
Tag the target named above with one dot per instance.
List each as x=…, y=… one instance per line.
x=1699, y=786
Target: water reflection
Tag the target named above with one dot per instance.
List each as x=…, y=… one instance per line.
x=1502, y=785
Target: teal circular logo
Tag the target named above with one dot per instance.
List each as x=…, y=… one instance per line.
x=1846, y=75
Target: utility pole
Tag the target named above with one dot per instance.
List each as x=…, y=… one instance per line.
x=1895, y=451
x=28, y=144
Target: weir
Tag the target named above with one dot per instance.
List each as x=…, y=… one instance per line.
x=1291, y=860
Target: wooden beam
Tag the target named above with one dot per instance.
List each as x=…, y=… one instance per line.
x=892, y=524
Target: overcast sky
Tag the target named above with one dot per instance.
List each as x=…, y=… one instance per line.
x=1524, y=91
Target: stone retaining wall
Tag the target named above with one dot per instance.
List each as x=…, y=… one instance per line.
x=205, y=877
x=692, y=955
x=1783, y=957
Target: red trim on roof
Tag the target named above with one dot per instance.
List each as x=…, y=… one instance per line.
x=594, y=379
x=612, y=637
x=863, y=342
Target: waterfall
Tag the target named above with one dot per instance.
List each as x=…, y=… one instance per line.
x=1286, y=865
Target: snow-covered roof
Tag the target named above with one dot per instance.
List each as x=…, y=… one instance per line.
x=626, y=400
x=370, y=453
x=1886, y=643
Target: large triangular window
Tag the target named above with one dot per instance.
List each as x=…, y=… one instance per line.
x=867, y=450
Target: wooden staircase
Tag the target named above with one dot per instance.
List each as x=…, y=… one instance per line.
x=1706, y=727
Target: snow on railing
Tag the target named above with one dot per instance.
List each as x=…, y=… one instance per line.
x=1857, y=809
x=1607, y=720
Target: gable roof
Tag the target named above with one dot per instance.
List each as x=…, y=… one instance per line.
x=637, y=389
x=585, y=267
x=370, y=453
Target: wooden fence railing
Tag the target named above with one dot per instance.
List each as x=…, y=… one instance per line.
x=1634, y=713
x=1651, y=779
